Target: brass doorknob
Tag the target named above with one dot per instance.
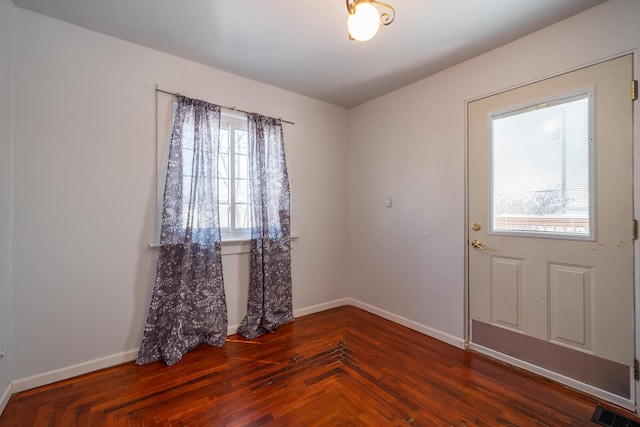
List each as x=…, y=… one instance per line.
x=478, y=244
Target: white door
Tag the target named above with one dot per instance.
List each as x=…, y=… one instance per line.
x=550, y=227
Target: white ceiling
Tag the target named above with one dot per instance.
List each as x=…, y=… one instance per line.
x=302, y=45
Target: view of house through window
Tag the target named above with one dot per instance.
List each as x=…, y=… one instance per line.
x=541, y=170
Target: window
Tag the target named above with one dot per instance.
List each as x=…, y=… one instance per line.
x=232, y=172
x=541, y=178
x=233, y=177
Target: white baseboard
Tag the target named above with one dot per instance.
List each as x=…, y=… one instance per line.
x=45, y=378
x=73, y=371
x=321, y=307
x=6, y=395
x=586, y=388
x=93, y=365
x=233, y=329
x=434, y=333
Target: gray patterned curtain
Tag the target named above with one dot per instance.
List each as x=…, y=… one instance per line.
x=188, y=306
x=269, y=304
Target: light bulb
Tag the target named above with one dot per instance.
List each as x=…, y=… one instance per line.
x=364, y=23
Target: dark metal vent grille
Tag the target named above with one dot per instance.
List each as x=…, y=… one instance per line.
x=608, y=418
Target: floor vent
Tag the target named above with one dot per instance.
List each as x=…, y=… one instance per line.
x=605, y=417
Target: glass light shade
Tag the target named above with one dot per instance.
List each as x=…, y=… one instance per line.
x=364, y=23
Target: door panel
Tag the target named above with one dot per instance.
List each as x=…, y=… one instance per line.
x=571, y=314
x=507, y=291
x=559, y=274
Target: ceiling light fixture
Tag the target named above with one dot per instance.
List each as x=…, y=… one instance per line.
x=364, y=18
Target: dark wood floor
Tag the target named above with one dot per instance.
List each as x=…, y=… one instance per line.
x=339, y=367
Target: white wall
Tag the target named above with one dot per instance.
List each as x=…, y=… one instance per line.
x=408, y=260
x=84, y=192
x=6, y=31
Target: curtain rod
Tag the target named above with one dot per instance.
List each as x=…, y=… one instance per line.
x=228, y=108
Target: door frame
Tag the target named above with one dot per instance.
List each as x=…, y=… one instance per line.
x=630, y=404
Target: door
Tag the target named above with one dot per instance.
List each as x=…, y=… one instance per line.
x=550, y=227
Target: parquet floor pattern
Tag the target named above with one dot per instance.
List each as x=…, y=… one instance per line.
x=341, y=367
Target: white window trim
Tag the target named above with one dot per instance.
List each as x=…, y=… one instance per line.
x=234, y=121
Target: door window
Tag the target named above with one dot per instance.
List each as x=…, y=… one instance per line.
x=541, y=178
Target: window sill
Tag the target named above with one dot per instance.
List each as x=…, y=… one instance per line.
x=230, y=246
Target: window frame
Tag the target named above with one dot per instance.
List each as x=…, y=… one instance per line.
x=232, y=123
